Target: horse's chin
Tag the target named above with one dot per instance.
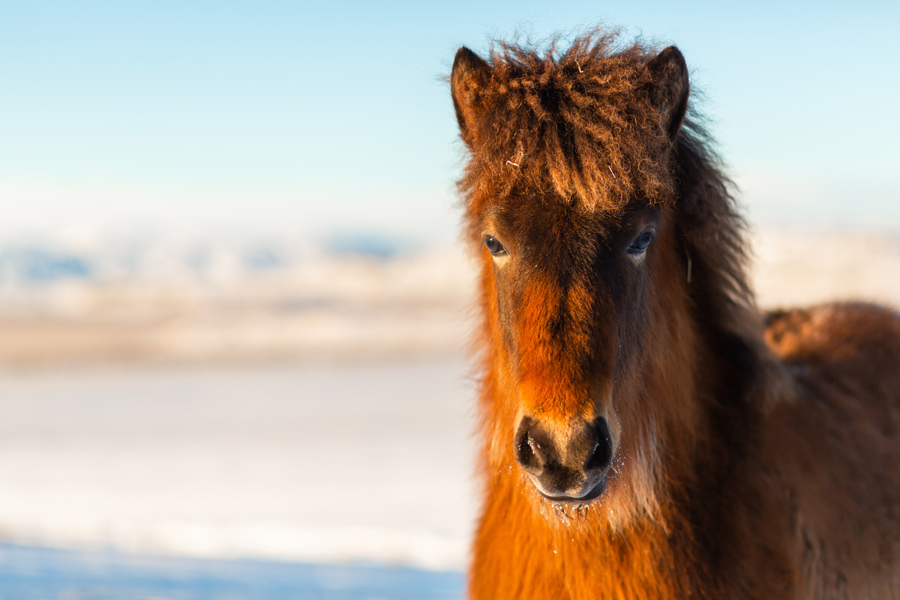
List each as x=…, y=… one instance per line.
x=593, y=493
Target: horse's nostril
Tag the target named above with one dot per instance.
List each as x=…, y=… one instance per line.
x=600, y=455
x=525, y=449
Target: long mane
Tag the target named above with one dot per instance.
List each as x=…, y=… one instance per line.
x=716, y=257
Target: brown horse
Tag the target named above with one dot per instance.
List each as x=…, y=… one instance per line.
x=647, y=433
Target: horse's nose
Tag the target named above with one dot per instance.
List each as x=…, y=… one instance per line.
x=571, y=466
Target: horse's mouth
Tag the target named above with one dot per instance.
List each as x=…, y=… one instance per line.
x=592, y=494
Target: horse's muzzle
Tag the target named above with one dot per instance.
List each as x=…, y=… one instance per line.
x=567, y=467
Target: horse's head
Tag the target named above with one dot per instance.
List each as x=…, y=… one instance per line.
x=570, y=192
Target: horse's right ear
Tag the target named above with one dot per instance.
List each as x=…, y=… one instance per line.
x=469, y=76
x=670, y=88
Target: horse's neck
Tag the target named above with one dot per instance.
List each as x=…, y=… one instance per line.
x=528, y=551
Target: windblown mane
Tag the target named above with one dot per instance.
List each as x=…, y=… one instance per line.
x=580, y=124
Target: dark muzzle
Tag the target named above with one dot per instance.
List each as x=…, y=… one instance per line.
x=569, y=467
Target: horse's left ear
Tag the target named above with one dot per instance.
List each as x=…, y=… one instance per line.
x=469, y=76
x=670, y=88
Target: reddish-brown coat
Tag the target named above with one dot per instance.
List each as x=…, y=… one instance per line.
x=752, y=459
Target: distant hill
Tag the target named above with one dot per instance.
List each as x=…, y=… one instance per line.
x=201, y=298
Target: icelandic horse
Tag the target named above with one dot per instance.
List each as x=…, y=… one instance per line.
x=646, y=431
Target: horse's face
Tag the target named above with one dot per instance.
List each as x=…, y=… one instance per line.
x=576, y=291
x=573, y=313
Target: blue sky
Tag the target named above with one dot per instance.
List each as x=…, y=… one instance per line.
x=308, y=118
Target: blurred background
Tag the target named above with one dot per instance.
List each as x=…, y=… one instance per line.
x=233, y=305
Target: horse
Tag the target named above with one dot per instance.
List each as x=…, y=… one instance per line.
x=645, y=430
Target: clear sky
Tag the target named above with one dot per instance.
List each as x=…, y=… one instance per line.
x=311, y=118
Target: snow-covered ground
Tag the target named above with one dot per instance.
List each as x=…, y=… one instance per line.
x=314, y=463
x=39, y=573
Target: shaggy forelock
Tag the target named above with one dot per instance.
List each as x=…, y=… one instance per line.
x=578, y=125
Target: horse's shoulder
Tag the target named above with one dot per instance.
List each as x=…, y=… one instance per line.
x=847, y=333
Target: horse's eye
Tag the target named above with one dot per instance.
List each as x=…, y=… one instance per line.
x=640, y=243
x=495, y=247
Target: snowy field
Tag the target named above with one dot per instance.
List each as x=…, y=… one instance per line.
x=29, y=573
x=349, y=463
x=281, y=426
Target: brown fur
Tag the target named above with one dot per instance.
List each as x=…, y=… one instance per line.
x=750, y=460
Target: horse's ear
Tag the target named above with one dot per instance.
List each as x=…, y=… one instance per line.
x=670, y=88
x=469, y=76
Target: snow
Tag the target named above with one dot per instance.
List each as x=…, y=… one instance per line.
x=328, y=462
